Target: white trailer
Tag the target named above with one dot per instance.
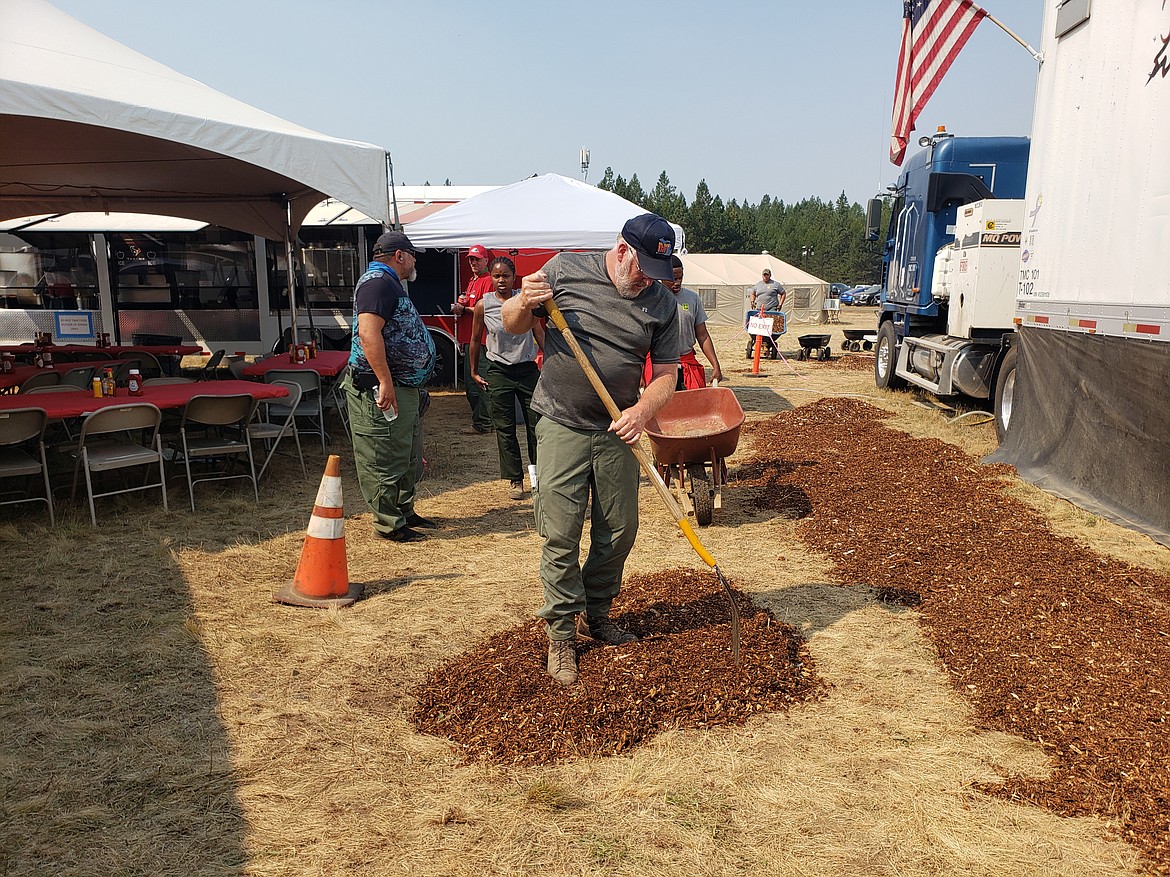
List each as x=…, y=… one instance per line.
x=1082, y=390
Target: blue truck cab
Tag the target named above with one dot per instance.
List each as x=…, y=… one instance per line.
x=938, y=181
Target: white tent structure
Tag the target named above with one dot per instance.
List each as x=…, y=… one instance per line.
x=724, y=282
x=542, y=212
x=87, y=124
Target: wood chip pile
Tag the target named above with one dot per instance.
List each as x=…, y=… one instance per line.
x=497, y=703
x=1048, y=640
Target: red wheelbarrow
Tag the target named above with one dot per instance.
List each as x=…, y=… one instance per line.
x=694, y=430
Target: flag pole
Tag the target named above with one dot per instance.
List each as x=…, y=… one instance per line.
x=1011, y=33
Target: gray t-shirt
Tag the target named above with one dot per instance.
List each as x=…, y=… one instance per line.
x=690, y=314
x=504, y=347
x=615, y=333
x=768, y=295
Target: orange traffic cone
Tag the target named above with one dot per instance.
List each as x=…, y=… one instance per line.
x=322, y=577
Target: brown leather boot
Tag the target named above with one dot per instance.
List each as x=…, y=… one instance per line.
x=562, y=660
x=603, y=631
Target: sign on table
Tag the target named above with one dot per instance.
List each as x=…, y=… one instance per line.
x=760, y=325
x=73, y=325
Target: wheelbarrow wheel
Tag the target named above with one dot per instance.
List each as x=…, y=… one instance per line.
x=702, y=493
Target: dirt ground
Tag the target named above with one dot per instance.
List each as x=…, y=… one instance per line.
x=163, y=716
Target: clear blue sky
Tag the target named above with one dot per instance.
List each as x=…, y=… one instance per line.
x=782, y=97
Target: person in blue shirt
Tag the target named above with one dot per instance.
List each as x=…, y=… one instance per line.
x=391, y=357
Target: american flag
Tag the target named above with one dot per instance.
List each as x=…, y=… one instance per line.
x=933, y=32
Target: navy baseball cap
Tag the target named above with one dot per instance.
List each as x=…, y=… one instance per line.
x=391, y=242
x=652, y=238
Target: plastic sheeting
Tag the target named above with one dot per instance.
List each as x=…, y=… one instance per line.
x=1091, y=424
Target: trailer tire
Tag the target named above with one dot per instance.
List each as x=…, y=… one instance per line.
x=886, y=359
x=1005, y=394
x=444, y=373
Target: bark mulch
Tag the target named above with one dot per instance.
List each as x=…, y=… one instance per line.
x=1048, y=640
x=497, y=703
x=851, y=362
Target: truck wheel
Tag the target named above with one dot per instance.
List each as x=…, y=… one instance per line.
x=1005, y=394
x=886, y=359
x=702, y=494
x=444, y=374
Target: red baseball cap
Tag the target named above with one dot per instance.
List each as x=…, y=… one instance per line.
x=480, y=252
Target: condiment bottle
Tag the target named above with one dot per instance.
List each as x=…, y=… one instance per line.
x=97, y=387
x=48, y=358
x=292, y=353
x=134, y=382
x=38, y=358
x=109, y=386
x=312, y=348
x=301, y=355
x=7, y=361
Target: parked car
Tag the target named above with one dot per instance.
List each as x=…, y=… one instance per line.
x=835, y=289
x=848, y=297
x=867, y=295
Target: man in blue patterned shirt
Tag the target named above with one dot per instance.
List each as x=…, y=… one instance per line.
x=391, y=358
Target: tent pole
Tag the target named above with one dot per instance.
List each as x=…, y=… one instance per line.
x=288, y=270
x=390, y=191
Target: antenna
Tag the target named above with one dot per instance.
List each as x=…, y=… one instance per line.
x=584, y=163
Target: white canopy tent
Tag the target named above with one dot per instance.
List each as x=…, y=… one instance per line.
x=542, y=212
x=87, y=124
x=724, y=282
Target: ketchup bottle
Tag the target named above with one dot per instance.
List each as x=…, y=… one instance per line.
x=134, y=382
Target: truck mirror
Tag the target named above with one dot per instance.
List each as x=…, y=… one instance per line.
x=873, y=219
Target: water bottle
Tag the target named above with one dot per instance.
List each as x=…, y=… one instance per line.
x=390, y=414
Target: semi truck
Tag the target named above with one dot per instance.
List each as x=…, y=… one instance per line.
x=1034, y=273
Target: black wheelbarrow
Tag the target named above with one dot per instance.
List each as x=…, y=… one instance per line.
x=813, y=345
x=859, y=339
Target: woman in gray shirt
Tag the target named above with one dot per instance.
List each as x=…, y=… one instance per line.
x=510, y=375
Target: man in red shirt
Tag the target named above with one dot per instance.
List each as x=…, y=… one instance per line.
x=479, y=257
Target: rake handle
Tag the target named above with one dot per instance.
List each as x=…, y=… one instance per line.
x=680, y=517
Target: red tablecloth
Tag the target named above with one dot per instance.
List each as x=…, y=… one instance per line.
x=61, y=405
x=22, y=373
x=328, y=364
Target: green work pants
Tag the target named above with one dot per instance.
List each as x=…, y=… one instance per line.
x=575, y=470
x=509, y=384
x=477, y=397
x=386, y=454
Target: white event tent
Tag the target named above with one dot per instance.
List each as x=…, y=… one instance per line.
x=87, y=124
x=542, y=212
x=724, y=282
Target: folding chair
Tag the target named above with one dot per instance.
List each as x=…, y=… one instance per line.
x=210, y=370
x=40, y=379
x=122, y=370
x=155, y=382
x=80, y=378
x=272, y=429
x=20, y=430
x=92, y=356
x=212, y=416
x=311, y=403
x=336, y=399
x=100, y=448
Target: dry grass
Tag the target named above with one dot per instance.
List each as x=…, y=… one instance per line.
x=162, y=716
